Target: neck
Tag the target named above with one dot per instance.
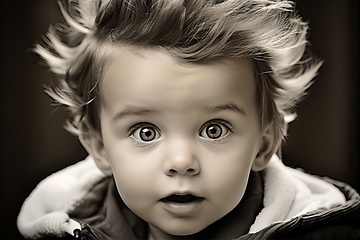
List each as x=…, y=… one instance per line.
x=157, y=234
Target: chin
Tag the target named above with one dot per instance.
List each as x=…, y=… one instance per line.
x=181, y=230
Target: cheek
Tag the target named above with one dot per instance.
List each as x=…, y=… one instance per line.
x=229, y=183
x=126, y=171
x=227, y=174
x=134, y=174
x=134, y=189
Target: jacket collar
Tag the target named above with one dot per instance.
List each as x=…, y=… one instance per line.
x=288, y=193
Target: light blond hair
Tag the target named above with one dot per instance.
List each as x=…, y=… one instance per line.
x=267, y=31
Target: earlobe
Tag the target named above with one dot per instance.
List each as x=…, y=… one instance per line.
x=266, y=150
x=93, y=144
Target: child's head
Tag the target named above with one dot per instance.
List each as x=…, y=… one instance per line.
x=180, y=97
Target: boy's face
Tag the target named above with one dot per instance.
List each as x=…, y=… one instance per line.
x=180, y=139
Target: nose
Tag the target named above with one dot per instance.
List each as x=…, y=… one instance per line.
x=181, y=159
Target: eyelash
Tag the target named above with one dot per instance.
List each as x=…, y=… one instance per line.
x=221, y=122
x=141, y=125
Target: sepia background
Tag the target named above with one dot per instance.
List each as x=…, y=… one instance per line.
x=323, y=140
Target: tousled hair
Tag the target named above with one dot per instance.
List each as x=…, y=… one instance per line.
x=267, y=31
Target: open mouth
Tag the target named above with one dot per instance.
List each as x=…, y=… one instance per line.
x=176, y=198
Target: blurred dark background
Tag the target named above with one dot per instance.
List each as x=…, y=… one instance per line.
x=323, y=140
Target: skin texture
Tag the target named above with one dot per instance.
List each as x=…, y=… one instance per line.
x=178, y=128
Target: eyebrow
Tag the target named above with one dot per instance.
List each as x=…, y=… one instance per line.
x=132, y=111
x=135, y=111
x=230, y=106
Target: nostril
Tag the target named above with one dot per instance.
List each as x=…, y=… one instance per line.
x=189, y=170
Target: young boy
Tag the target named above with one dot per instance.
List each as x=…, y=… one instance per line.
x=182, y=107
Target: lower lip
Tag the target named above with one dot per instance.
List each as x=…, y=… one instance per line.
x=183, y=209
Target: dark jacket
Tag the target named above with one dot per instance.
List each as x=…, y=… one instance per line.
x=103, y=215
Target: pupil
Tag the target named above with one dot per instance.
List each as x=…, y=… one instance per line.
x=214, y=131
x=147, y=134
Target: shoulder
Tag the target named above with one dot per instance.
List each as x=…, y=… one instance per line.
x=341, y=221
x=46, y=210
x=343, y=227
x=298, y=205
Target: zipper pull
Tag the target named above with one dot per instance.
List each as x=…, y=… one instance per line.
x=77, y=234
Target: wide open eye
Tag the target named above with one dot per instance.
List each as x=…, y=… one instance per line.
x=145, y=133
x=215, y=130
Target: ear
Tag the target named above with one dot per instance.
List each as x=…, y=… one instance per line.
x=91, y=140
x=267, y=148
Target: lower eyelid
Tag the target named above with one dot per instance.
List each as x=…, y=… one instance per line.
x=217, y=141
x=137, y=142
x=143, y=144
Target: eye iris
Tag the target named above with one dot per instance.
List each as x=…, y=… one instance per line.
x=214, y=131
x=147, y=134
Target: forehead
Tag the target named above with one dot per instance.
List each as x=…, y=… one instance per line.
x=149, y=77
